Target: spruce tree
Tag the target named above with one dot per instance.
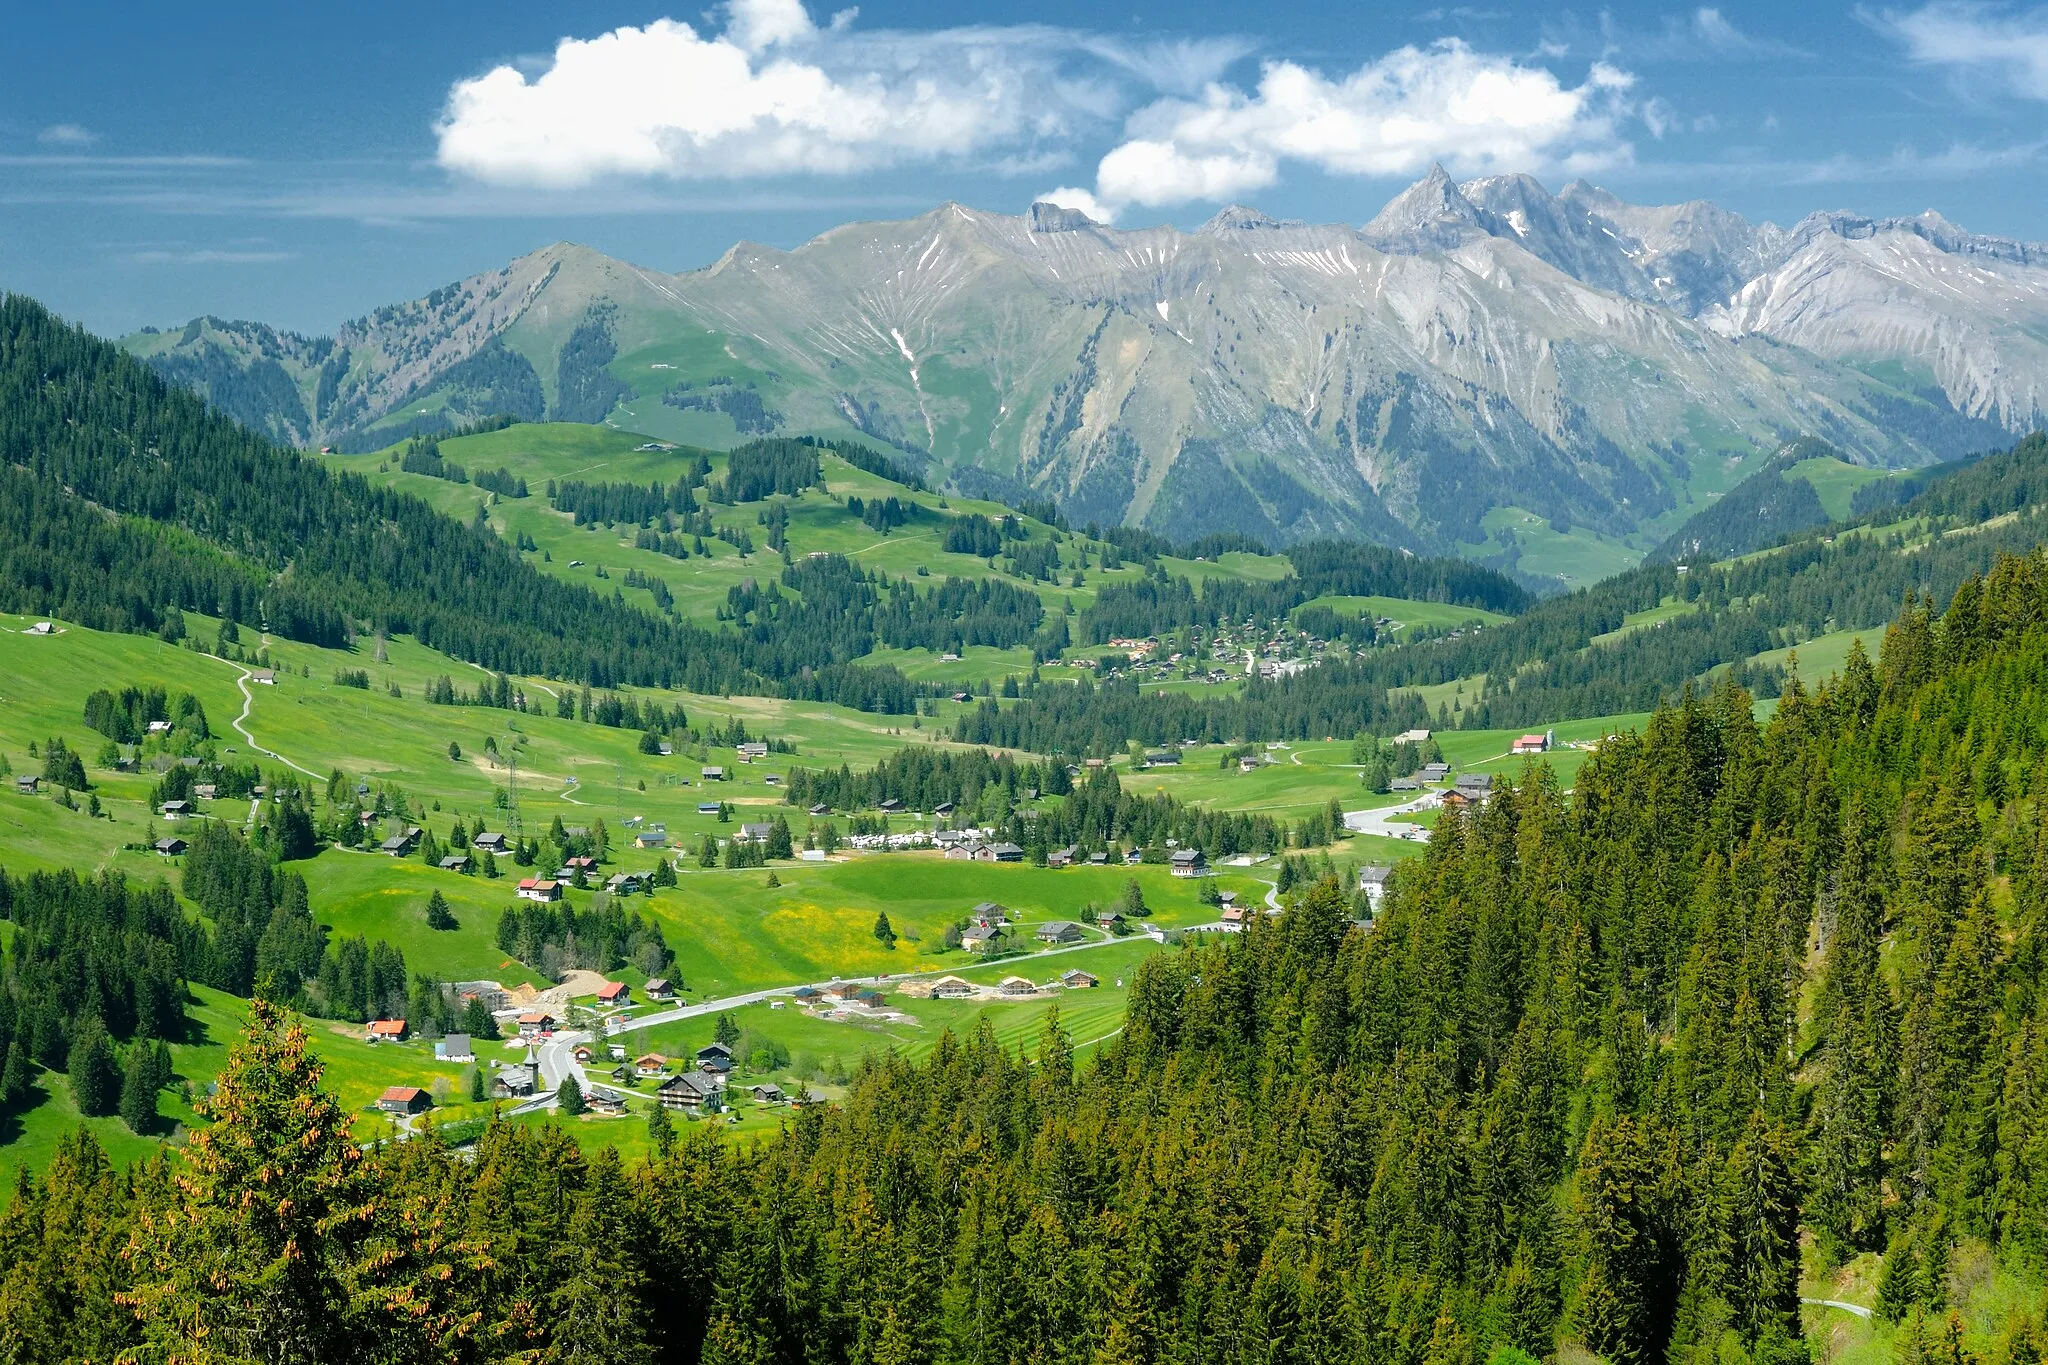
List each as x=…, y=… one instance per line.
x=95, y=1069
x=138, y=1091
x=257, y=1254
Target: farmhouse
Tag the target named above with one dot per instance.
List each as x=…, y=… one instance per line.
x=614, y=993
x=405, y=1099
x=659, y=988
x=493, y=844
x=173, y=847
x=455, y=862
x=266, y=676
x=535, y=1024
x=988, y=912
x=752, y=750
x=514, y=1082
x=386, y=1031
x=1530, y=744
x=172, y=810
x=1063, y=857
x=649, y=1064
x=766, y=1093
x=756, y=833
x=999, y=853
x=1060, y=931
x=715, y=1057
x=28, y=784
x=1015, y=985
x=1189, y=862
x=1078, y=980
x=539, y=889
x=951, y=988
x=1372, y=880
x=402, y=845
x=982, y=938
x=690, y=1090
x=713, y=774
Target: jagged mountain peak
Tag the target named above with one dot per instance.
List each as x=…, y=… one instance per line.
x=1476, y=346
x=1243, y=218
x=1050, y=217
x=1431, y=214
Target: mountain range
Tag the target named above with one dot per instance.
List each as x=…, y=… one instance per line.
x=1479, y=364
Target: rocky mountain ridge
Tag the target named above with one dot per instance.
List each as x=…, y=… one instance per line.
x=1476, y=360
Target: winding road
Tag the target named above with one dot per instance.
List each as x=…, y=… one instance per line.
x=1379, y=820
x=241, y=722
x=557, y=1053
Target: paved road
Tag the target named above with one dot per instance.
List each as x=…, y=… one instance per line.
x=1377, y=821
x=1858, y=1309
x=557, y=1054
x=240, y=722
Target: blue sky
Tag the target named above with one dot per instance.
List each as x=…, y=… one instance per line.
x=302, y=164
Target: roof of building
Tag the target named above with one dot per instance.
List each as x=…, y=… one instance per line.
x=401, y=1094
x=1187, y=855
x=387, y=1026
x=1374, y=874
x=696, y=1082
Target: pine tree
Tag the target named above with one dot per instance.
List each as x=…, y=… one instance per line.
x=661, y=1130
x=569, y=1095
x=95, y=1070
x=884, y=935
x=438, y=914
x=138, y=1091
x=254, y=1252
x=16, y=1079
x=1898, y=1283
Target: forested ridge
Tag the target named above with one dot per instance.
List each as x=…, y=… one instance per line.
x=216, y=519
x=1600, y=1064
x=1551, y=661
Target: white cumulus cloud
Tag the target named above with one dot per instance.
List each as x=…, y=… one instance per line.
x=1472, y=111
x=773, y=93
x=1069, y=197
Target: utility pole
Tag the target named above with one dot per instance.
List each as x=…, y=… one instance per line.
x=512, y=792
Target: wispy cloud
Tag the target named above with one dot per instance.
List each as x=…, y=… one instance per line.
x=2009, y=47
x=67, y=135
x=209, y=256
x=1704, y=35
